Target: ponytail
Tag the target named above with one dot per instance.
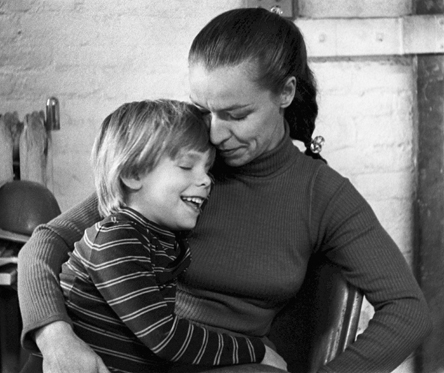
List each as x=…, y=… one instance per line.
x=302, y=113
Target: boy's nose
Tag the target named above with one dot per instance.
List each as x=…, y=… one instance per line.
x=206, y=180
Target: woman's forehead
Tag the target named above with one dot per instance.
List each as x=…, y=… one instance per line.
x=222, y=88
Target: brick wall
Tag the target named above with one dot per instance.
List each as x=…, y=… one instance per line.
x=367, y=115
x=93, y=56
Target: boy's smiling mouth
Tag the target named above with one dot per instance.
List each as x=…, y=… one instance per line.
x=195, y=202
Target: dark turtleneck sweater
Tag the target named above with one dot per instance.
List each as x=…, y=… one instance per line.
x=249, y=256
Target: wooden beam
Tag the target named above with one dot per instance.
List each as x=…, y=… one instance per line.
x=430, y=195
x=430, y=204
x=349, y=37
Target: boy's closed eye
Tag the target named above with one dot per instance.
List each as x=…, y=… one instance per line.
x=186, y=167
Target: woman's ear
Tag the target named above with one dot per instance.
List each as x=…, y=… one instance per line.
x=133, y=183
x=288, y=92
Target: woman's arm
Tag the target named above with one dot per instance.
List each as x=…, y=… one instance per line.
x=40, y=260
x=63, y=352
x=352, y=237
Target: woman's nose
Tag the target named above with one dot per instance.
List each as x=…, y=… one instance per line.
x=218, y=131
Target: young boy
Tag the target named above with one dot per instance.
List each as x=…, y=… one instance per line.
x=151, y=161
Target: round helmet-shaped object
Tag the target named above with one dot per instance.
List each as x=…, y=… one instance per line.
x=24, y=205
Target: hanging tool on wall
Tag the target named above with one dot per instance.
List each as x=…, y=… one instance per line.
x=24, y=145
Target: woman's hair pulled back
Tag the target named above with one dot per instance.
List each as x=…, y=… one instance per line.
x=276, y=47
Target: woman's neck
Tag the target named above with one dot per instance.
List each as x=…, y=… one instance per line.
x=267, y=164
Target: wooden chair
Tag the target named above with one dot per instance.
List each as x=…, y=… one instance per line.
x=320, y=322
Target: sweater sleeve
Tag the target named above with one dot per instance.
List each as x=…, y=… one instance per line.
x=40, y=259
x=125, y=275
x=350, y=235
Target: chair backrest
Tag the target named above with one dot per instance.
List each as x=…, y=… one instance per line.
x=320, y=322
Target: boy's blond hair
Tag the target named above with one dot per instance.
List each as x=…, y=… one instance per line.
x=134, y=137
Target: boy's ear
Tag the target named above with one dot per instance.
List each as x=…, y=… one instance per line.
x=288, y=92
x=132, y=183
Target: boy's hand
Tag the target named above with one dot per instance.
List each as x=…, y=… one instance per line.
x=273, y=359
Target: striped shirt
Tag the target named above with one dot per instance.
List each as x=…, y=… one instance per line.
x=120, y=287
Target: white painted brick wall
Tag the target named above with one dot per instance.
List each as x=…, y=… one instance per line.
x=367, y=118
x=367, y=111
x=95, y=55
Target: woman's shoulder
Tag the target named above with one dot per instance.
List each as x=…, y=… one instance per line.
x=329, y=190
x=326, y=187
x=318, y=173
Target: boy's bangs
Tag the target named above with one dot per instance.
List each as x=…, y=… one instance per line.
x=191, y=134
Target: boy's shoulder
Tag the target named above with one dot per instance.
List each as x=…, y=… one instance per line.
x=116, y=219
x=114, y=227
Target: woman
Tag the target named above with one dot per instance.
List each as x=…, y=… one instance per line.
x=271, y=208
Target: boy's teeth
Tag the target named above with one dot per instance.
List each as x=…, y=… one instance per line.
x=196, y=200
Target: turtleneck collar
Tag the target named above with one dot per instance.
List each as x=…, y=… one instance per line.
x=268, y=164
x=165, y=234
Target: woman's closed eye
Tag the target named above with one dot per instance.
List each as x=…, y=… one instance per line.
x=237, y=117
x=224, y=115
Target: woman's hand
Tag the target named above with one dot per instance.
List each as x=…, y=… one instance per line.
x=63, y=351
x=273, y=359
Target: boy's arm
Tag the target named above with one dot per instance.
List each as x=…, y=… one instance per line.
x=148, y=311
x=40, y=260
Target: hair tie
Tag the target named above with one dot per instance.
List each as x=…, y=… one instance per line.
x=277, y=9
x=316, y=144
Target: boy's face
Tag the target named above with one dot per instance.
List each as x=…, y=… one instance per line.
x=172, y=194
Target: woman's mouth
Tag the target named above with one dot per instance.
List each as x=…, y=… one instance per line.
x=228, y=152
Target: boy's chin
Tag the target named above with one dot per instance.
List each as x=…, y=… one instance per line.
x=185, y=227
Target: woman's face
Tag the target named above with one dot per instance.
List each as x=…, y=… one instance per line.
x=246, y=120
